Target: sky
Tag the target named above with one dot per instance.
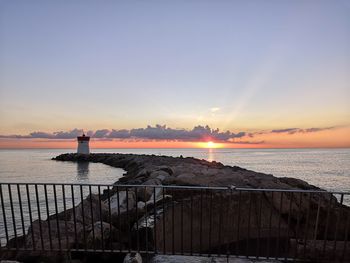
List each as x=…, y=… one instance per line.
x=258, y=74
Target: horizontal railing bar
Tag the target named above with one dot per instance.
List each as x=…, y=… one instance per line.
x=187, y=187
x=66, y=184
x=291, y=190
x=124, y=185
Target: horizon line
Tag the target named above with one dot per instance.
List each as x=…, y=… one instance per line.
x=137, y=148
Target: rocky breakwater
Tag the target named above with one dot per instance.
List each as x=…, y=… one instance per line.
x=201, y=220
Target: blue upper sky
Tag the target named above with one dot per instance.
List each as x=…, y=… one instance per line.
x=125, y=64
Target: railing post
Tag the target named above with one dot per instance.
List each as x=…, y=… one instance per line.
x=4, y=215
x=316, y=224
x=48, y=215
x=39, y=216
x=13, y=215
x=74, y=218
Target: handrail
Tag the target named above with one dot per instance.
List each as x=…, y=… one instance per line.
x=230, y=187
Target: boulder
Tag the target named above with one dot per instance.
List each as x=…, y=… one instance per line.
x=123, y=209
x=209, y=223
x=218, y=220
x=102, y=235
x=159, y=174
x=303, y=210
x=94, y=204
x=187, y=181
x=166, y=169
x=185, y=176
x=86, y=212
x=142, y=174
x=143, y=229
x=141, y=206
x=41, y=232
x=324, y=251
x=158, y=196
x=121, y=201
x=133, y=258
x=145, y=193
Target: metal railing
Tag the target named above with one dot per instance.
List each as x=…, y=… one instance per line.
x=176, y=220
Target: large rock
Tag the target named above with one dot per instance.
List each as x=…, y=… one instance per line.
x=325, y=251
x=133, y=258
x=54, y=234
x=303, y=210
x=121, y=202
x=145, y=193
x=159, y=175
x=212, y=221
x=102, y=235
x=124, y=209
x=87, y=212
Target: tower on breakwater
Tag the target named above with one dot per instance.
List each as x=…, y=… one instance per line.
x=83, y=144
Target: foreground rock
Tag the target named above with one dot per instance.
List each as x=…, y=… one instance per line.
x=133, y=258
x=200, y=221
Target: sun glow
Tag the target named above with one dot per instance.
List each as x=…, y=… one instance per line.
x=210, y=145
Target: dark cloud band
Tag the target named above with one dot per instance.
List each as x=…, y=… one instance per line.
x=162, y=132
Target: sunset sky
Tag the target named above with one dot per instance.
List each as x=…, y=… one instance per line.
x=242, y=74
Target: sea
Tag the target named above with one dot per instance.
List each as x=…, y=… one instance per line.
x=326, y=168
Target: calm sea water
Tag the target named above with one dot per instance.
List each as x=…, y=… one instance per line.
x=326, y=168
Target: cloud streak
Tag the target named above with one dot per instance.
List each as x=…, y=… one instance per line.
x=46, y=135
x=298, y=130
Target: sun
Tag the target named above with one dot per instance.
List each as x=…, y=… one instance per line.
x=210, y=144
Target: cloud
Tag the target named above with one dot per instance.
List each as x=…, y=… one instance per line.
x=57, y=135
x=72, y=134
x=317, y=129
x=214, y=109
x=298, y=130
x=121, y=134
x=248, y=142
x=101, y=133
x=289, y=130
x=157, y=132
x=162, y=132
